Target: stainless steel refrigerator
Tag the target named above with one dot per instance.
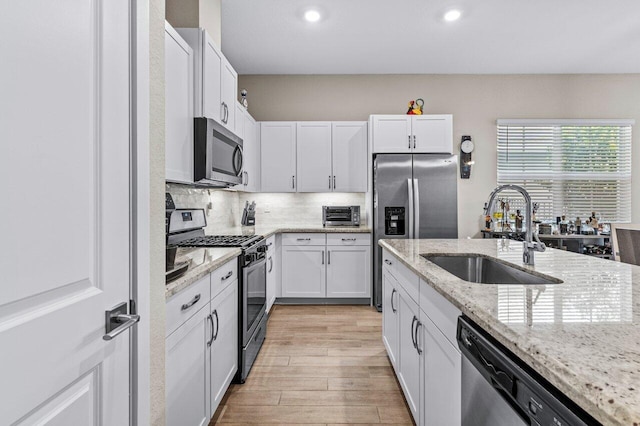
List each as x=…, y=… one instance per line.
x=414, y=196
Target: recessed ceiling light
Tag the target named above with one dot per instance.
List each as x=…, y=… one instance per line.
x=312, y=15
x=452, y=15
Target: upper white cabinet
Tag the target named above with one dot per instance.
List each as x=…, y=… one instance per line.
x=349, y=156
x=278, y=156
x=412, y=133
x=216, y=82
x=178, y=71
x=247, y=129
x=314, y=156
x=328, y=156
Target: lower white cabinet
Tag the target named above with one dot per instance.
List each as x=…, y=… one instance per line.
x=420, y=342
x=391, y=316
x=273, y=262
x=440, y=374
x=303, y=271
x=186, y=372
x=222, y=343
x=409, y=356
x=334, y=265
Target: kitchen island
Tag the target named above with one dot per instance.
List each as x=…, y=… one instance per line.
x=583, y=336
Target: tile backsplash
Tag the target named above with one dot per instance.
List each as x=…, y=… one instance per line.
x=224, y=207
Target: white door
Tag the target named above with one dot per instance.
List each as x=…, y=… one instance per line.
x=278, y=156
x=251, y=154
x=349, y=156
x=64, y=168
x=433, y=133
x=314, y=157
x=303, y=271
x=211, y=80
x=409, y=359
x=272, y=272
x=390, y=316
x=392, y=133
x=348, y=271
x=229, y=93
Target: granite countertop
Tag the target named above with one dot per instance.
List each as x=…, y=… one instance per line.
x=583, y=335
x=206, y=260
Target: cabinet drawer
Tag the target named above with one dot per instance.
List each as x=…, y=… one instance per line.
x=306, y=239
x=408, y=280
x=185, y=304
x=271, y=243
x=389, y=262
x=442, y=312
x=223, y=276
x=348, y=239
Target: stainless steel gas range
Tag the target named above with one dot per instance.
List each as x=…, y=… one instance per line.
x=186, y=228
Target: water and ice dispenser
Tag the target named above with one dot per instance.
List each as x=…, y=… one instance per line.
x=394, y=220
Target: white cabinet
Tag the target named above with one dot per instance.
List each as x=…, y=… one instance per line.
x=303, y=271
x=216, y=82
x=186, y=367
x=178, y=71
x=409, y=358
x=314, y=156
x=440, y=374
x=222, y=343
x=278, y=156
x=247, y=129
x=390, y=317
x=273, y=262
x=334, y=265
x=432, y=133
x=349, y=156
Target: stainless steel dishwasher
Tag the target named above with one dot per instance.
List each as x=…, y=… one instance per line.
x=498, y=390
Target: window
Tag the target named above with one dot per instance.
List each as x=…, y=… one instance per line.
x=569, y=167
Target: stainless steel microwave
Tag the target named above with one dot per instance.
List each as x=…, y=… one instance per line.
x=217, y=159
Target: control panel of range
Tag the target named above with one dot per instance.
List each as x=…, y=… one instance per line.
x=394, y=222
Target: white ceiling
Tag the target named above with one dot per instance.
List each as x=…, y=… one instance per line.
x=410, y=37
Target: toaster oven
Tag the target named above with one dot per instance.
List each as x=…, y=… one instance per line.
x=340, y=215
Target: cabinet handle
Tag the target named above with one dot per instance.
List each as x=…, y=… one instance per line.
x=393, y=308
x=226, y=113
x=215, y=336
x=293, y=182
x=222, y=111
x=328, y=257
x=348, y=239
x=413, y=340
x=269, y=245
x=409, y=144
x=329, y=181
x=246, y=174
x=418, y=325
x=388, y=262
x=210, y=318
x=303, y=239
x=322, y=257
x=226, y=277
x=334, y=182
x=192, y=302
x=414, y=141
x=270, y=263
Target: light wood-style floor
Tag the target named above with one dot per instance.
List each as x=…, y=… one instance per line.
x=321, y=365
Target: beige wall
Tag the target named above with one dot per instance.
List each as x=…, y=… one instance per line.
x=475, y=101
x=196, y=14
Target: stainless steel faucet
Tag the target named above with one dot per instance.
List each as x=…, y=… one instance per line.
x=529, y=245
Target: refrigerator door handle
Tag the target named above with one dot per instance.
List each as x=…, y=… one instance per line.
x=411, y=218
x=416, y=209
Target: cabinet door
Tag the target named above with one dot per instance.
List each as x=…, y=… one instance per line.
x=223, y=354
x=211, y=80
x=392, y=133
x=303, y=271
x=241, y=117
x=348, y=271
x=433, y=133
x=251, y=154
x=178, y=74
x=314, y=157
x=390, y=316
x=271, y=279
x=229, y=90
x=440, y=373
x=349, y=156
x=278, y=156
x=185, y=370
x=409, y=359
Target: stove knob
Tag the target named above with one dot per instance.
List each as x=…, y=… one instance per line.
x=261, y=249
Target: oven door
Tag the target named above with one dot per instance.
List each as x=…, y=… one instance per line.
x=254, y=297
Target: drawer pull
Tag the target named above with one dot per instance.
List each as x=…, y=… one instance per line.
x=226, y=277
x=304, y=239
x=388, y=262
x=269, y=245
x=192, y=302
x=348, y=239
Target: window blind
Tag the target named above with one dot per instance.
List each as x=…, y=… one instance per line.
x=569, y=167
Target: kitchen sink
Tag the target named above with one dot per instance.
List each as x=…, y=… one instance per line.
x=477, y=268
